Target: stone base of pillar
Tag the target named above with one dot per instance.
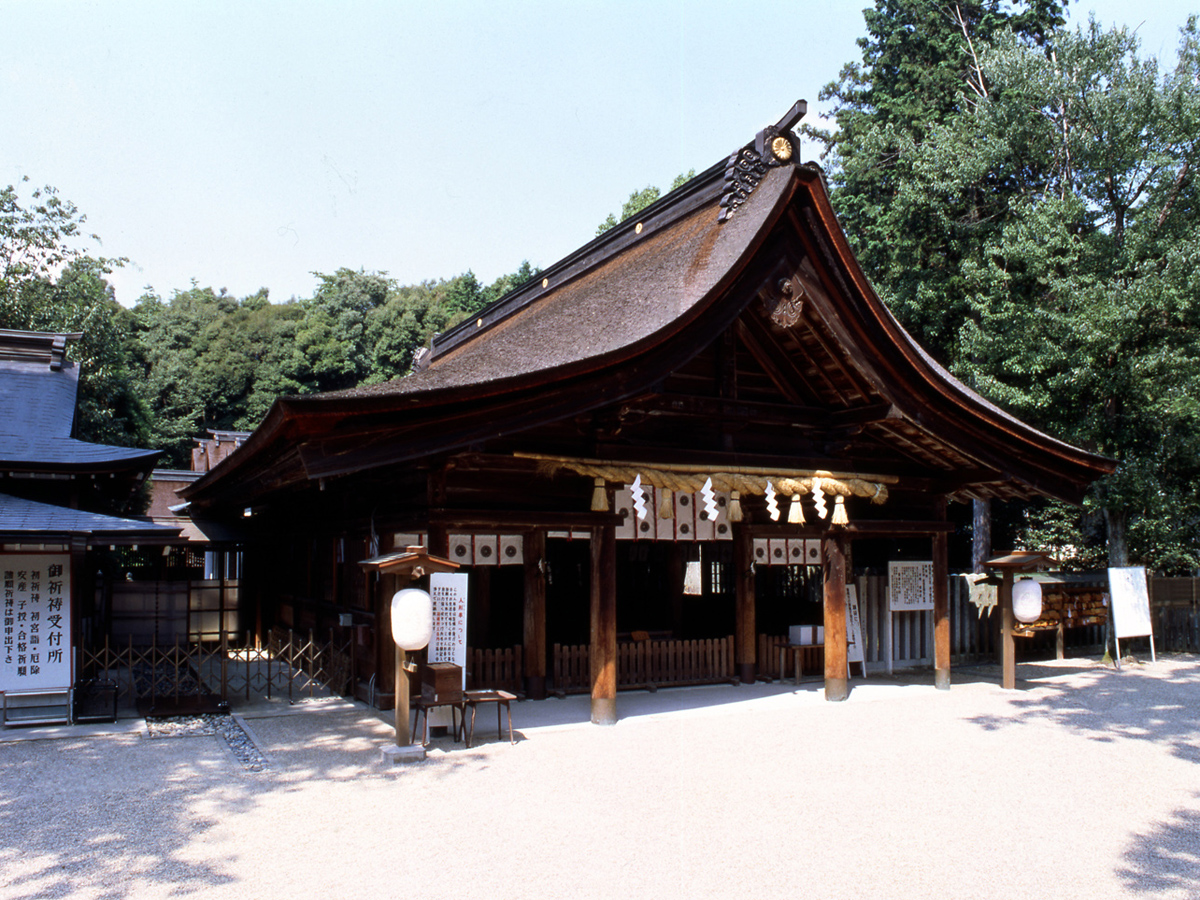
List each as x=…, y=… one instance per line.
x=941, y=679
x=604, y=711
x=393, y=754
x=837, y=688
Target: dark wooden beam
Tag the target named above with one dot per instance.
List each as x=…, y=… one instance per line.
x=784, y=374
x=504, y=518
x=885, y=528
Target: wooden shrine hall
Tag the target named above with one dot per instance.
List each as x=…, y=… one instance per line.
x=709, y=377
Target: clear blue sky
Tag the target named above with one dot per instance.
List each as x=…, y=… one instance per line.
x=247, y=144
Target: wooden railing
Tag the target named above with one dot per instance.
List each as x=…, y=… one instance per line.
x=572, y=671
x=649, y=664
x=290, y=664
x=501, y=669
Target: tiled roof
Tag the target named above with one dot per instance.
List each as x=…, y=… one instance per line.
x=26, y=517
x=36, y=400
x=38, y=451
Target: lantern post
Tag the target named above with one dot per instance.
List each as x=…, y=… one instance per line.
x=412, y=628
x=1008, y=565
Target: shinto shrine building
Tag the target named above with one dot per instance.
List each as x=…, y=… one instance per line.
x=723, y=351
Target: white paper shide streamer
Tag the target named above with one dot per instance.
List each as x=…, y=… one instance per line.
x=639, y=498
x=710, y=500
x=772, y=503
x=819, y=498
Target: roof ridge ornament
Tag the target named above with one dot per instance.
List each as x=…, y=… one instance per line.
x=774, y=146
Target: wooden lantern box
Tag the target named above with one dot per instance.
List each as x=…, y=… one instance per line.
x=441, y=683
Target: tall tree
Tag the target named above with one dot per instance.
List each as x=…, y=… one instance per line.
x=639, y=200
x=48, y=282
x=1080, y=309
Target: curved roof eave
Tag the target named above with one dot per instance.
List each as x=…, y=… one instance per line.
x=930, y=380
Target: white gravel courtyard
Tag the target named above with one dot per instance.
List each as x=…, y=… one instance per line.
x=1084, y=783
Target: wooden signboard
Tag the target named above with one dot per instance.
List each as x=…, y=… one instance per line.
x=1130, y=605
x=35, y=653
x=855, y=651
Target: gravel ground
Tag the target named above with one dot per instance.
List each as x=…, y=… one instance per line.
x=1083, y=784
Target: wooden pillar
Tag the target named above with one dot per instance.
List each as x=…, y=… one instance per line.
x=1008, y=650
x=603, y=655
x=402, y=690
x=385, y=647
x=745, y=613
x=941, y=613
x=479, y=628
x=676, y=572
x=534, y=650
x=81, y=584
x=833, y=564
x=439, y=541
x=941, y=602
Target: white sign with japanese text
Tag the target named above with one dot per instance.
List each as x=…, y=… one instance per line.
x=910, y=586
x=449, y=593
x=35, y=608
x=854, y=639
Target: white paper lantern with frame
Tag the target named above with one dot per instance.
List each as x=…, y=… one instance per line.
x=1027, y=600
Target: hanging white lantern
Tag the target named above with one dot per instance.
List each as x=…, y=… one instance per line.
x=412, y=619
x=1027, y=600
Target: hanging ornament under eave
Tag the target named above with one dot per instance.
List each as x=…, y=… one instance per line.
x=710, y=500
x=599, y=496
x=839, y=511
x=1027, y=600
x=796, y=511
x=639, y=498
x=666, y=505
x=772, y=503
x=819, y=498
x=735, y=506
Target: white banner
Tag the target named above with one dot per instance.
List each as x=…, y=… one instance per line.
x=35, y=645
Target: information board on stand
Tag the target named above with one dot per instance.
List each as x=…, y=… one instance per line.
x=1130, y=597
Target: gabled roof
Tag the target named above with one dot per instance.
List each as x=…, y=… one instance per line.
x=751, y=245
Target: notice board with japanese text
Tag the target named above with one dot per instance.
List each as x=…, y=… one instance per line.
x=35, y=608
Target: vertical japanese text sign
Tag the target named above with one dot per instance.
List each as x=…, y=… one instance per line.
x=35, y=609
x=449, y=593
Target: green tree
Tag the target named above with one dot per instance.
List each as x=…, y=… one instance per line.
x=639, y=200
x=1062, y=285
x=49, y=283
